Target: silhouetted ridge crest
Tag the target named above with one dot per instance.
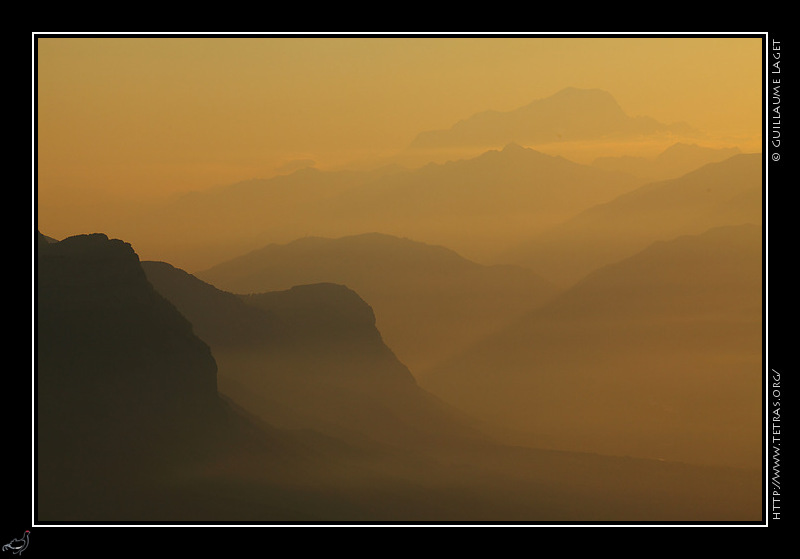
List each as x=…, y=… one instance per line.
x=313, y=358
x=43, y=239
x=428, y=300
x=108, y=340
x=333, y=329
x=321, y=305
x=324, y=325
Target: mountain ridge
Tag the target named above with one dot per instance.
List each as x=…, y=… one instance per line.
x=313, y=359
x=428, y=300
x=488, y=201
x=222, y=464
x=665, y=342
x=127, y=401
x=676, y=160
x=721, y=193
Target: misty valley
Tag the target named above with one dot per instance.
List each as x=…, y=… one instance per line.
x=504, y=336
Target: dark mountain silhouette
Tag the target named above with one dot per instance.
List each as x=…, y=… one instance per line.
x=80, y=284
x=658, y=355
x=129, y=428
x=673, y=162
x=570, y=114
x=129, y=422
x=718, y=194
x=477, y=206
x=43, y=239
x=429, y=301
x=118, y=369
x=309, y=366
x=311, y=357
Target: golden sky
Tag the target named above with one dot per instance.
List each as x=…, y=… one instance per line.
x=143, y=116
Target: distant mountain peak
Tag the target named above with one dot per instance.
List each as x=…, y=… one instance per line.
x=514, y=147
x=515, y=150
x=569, y=114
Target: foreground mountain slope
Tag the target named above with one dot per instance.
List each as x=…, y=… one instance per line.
x=129, y=422
x=128, y=430
x=311, y=357
x=716, y=195
x=429, y=302
x=658, y=355
x=535, y=485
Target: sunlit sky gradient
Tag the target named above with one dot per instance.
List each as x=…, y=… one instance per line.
x=135, y=117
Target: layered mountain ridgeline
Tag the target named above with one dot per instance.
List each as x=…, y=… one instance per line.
x=673, y=162
x=477, y=206
x=129, y=425
x=570, y=114
x=200, y=228
x=716, y=195
x=481, y=205
x=91, y=290
x=128, y=429
x=656, y=356
x=311, y=357
x=430, y=302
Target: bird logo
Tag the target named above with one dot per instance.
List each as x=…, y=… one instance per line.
x=17, y=546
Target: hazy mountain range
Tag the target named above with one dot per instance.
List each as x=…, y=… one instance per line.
x=430, y=302
x=717, y=194
x=343, y=351
x=130, y=425
x=310, y=357
x=129, y=422
x=657, y=355
x=481, y=206
x=676, y=160
x=476, y=206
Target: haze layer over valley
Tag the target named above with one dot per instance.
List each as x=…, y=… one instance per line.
x=398, y=279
